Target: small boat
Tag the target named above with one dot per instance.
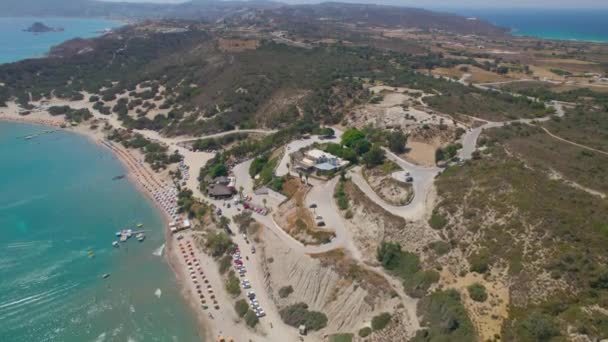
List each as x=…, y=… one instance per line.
x=140, y=237
x=118, y=177
x=118, y=233
x=139, y=225
x=90, y=254
x=115, y=244
x=105, y=275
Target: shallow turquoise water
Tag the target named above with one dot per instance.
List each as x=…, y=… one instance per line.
x=57, y=202
x=15, y=44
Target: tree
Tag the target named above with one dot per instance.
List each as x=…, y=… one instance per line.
x=396, y=141
x=374, y=157
x=243, y=221
x=241, y=307
x=362, y=146
x=251, y=318
x=351, y=136
x=218, y=170
x=381, y=321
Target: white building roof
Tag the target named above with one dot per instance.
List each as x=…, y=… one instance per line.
x=316, y=154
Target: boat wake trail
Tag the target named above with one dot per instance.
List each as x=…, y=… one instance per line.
x=159, y=250
x=6, y=206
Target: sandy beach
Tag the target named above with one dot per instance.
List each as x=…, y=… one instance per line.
x=159, y=189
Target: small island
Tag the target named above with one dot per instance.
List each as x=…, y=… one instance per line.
x=39, y=27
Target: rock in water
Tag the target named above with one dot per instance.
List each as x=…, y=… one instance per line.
x=39, y=27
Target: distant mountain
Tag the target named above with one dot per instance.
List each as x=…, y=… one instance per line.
x=386, y=16
x=212, y=10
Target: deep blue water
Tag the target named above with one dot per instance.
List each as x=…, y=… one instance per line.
x=567, y=24
x=15, y=44
x=59, y=210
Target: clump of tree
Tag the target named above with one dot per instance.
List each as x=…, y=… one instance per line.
x=241, y=307
x=446, y=318
x=396, y=141
x=71, y=114
x=447, y=153
x=298, y=314
x=406, y=265
x=251, y=318
x=218, y=243
x=341, y=196
x=233, y=285
x=380, y=321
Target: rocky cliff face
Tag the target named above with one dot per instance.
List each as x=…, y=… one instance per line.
x=323, y=283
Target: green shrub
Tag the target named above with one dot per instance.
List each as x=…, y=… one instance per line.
x=251, y=318
x=225, y=263
x=241, y=307
x=233, y=285
x=298, y=314
x=364, y=332
x=341, y=196
x=445, y=317
x=477, y=292
x=345, y=337
x=285, y=291
x=540, y=327
x=392, y=258
x=218, y=243
x=480, y=262
x=437, y=221
x=381, y=321
x=418, y=284
x=440, y=247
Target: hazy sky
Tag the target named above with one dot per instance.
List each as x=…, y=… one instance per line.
x=455, y=3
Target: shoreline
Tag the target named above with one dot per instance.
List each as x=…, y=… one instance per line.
x=204, y=327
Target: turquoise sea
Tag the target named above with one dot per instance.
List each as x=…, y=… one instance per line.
x=565, y=24
x=15, y=44
x=59, y=210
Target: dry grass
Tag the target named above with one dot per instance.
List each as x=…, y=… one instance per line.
x=295, y=218
x=237, y=45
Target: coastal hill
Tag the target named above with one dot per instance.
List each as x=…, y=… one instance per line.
x=39, y=27
x=390, y=16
